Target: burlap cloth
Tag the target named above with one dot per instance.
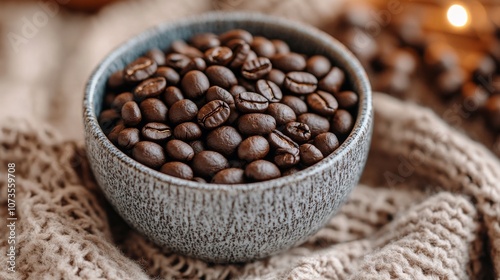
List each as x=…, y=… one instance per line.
x=428, y=206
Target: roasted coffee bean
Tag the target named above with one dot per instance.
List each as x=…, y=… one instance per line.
x=131, y=113
x=287, y=158
x=179, y=150
x=128, y=137
x=295, y=103
x=157, y=55
x=251, y=102
x=182, y=111
x=332, y=81
x=153, y=110
x=256, y=68
x=181, y=47
x=172, y=94
x=197, y=146
x=116, y=79
x=256, y=124
x=298, y=132
x=237, y=89
x=108, y=99
x=276, y=76
x=280, y=46
x=253, y=148
x=342, y=122
x=322, y=103
x=218, y=93
x=121, y=99
x=221, y=76
x=155, y=131
x=149, y=154
x=199, y=64
x=236, y=34
x=229, y=176
x=300, y=82
x=150, y=88
x=233, y=116
x=327, y=143
x=177, y=169
x=113, y=134
x=400, y=60
x=208, y=163
x=269, y=90
x=262, y=170
x=179, y=62
x=316, y=123
x=248, y=85
x=194, y=84
x=318, y=65
x=224, y=140
x=213, y=114
x=393, y=82
x=187, y=131
x=493, y=111
x=309, y=154
x=280, y=141
x=140, y=69
x=240, y=52
x=169, y=74
x=205, y=41
x=219, y=55
x=281, y=113
x=290, y=171
x=263, y=47
x=251, y=56
x=289, y=62
x=347, y=99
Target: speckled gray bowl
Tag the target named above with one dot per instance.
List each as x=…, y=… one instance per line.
x=228, y=223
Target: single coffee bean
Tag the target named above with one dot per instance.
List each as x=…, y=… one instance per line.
x=221, y=76
x=327, y=143
x=157, y=55
x=172, y=94
x=113, y=134
x=140, y=69
x=300, y=82
x=149, y=154
x=240, y=52
x=218, y=55
x=181, y=47
x=332, y=81
x=194, y=84
x=128, y=137
x=263, y=47
x=251, y=102
x=289, y=62
x=493, y=111
x=229, y=176
x=342, y=122
x=131, y=113
x=213, y=114
x=236, y=34
x=237, y=89
x=208, y=163
x=179, y=150
x=155, y=131
x=177, y=169
x=281, y=113
x=253, y=148
x=309, y=154
x=276, y=76
x=251, y=56
x=295, y=103
x=200, y=180
x=290, y=171
x=187, y=131
x=262, y=170
x=287, y=158
x=199, y=64
x=322, y=103
x=256, y=68
x=280, y=141
x=205, y=41
x=298, y=132
x=169, y=74
x=179, y=62
x=256, y=124
x=269, y=90
x=182, y=111
x=316, y=123
x=218, y=93
x=108, y=119
x=153, y=110
x=197, y=146
x=318, y=65
x=116, y=79
x=121, y=99
x=347, y=99
x=150, y=88
x=280, y=46
x=224, y=140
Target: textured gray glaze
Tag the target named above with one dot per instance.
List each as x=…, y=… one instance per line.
x=228, y=223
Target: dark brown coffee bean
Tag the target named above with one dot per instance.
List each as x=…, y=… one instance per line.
x=253, y=148
x=316, y=123
x=276, y=76
x=290, y=171
x=298, y=132
x=197, y=146
x=153, y=110
x=179, y=150
x=113, y=134
x=179, y=62
x=108, y=119
x=318, y=65
x=219, y=55
x=169, y=74
x=155, y=131
x=332, y=81
x=116, y=79
x=218, y=93
x=236, y=34
x=128, y=137
x=221, y=76
x=347, y=99
x=240, y=52
x=131, y=113
x=300, y=82
x=224, y=140
x=199, y=64
x=269, y=90
x=327, y=143
x=295, y=103
x=194, y=84
x=262, y=170
x=256, y=124
x=263, y=47
x=322, y=103
x=281, y=113
x=256, y=68
x=280, y=141
x=286, y=158
x=108, y=99
x=149, y=154
x=157, y=55
x=229, y=176
x=289, y=62
x=251, y=102
x=342, y=122
x=187, y=131
x=251, y=56
x=121, y=99
x=177, y=169
x=140, y=69
x=172, y=94
x=237, y=89
x=181, y=47
x=205, y=41
x=150, y=88
x=213, y=114
x=182, y=111
x=309, y=154
x=493, y=111
x=208, y=163
x=280, y=46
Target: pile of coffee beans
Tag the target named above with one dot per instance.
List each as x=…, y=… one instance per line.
x=229, y=108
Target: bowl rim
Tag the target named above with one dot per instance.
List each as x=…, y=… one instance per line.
x=350, y=64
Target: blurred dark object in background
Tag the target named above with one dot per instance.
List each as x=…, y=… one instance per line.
x=87, y=6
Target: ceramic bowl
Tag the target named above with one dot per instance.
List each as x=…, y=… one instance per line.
x=228, y=223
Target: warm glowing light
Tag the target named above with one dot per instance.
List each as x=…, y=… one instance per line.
x=458, y=15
